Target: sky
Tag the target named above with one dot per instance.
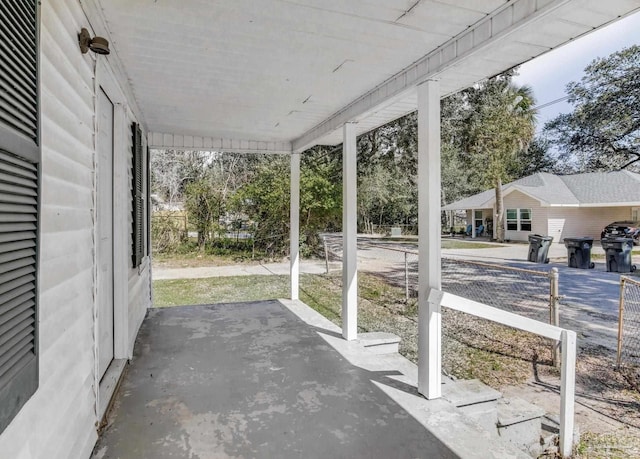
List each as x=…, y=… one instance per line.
x=549, y=74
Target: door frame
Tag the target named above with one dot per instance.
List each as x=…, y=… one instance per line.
x=106, y=79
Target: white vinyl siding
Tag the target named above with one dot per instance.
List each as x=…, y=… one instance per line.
x=584, y=221
x=59, y=421
x=520, y=201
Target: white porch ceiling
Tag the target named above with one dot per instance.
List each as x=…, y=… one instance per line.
x=276, y=74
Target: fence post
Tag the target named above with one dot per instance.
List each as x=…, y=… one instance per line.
x=620, y=323
x=326, y=254
x=554, y=311
x=406, y=277
x=567, y=392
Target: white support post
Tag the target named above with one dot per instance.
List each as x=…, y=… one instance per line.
x=429, y=264
x=349, y=234
x=473, y=223
x=294, y=215
x=567, y=392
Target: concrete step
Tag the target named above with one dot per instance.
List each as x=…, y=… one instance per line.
x=379, y=342
x=519, y=423
x=465, y=392
x=475, y=400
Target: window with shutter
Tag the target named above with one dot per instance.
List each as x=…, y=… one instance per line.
x=138, y=198
x=19, y=198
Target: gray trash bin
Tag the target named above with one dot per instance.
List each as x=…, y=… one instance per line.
x=539, y=248
x=579, y=252
x=618, y=254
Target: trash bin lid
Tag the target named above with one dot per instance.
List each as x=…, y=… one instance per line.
x=616, y=243
x=577, y=241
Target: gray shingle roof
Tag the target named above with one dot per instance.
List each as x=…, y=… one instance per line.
x=610, y=188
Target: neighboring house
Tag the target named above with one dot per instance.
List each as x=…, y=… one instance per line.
x=558, y=205
x=261, y=76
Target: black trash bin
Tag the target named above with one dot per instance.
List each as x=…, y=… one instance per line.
x=539, y=248
x=618, y=254
x=579, y=252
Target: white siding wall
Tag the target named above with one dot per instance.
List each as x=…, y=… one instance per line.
x=581, y=222
x=518, y=200
x=58, y=422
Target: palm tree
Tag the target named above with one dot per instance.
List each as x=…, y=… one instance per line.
x=501, y=125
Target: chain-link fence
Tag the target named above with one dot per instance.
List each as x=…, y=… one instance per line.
x=530, y=293
x=629, y=324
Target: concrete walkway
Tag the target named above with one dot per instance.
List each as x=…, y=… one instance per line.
x=274, y=379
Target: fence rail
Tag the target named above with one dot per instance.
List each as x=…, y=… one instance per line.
x=528, y=292
x=628, y=354
x=566, y=337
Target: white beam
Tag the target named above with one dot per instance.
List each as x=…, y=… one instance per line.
x=193, y=142
x=567, y=392
x=506, y=20
x=349, y=234
x=473, y=223
x=429, y=268
x=294, y=215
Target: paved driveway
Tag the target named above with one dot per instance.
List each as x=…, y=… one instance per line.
x=589, y=298
x=593, y=289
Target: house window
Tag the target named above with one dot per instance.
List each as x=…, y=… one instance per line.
x=519, y=219
x=512, y=219
x=19, y=206
x=525, y=219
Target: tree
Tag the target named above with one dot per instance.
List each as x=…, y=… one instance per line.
x=265, y=198
x=603, y=130
x=320, y=194
x=204, y=207
x=535, y=158
x=502, y=124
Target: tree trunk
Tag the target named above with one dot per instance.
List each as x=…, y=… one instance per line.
x=499, y=211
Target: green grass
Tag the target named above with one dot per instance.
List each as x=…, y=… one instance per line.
x=315, y=291
x=453, y=244
x=219, y=290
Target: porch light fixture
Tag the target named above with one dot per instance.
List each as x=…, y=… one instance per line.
x=98, y=45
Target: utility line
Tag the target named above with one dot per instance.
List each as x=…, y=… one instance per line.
x=553, y=102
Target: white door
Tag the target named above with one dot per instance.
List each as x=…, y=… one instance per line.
x=104, y=219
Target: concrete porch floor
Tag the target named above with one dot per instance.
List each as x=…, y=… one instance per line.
x=275, y=379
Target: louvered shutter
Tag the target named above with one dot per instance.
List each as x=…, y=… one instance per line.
x=19, y=197
x=138, y=201
x=148, y=221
